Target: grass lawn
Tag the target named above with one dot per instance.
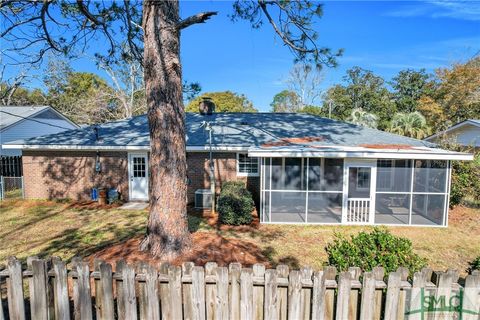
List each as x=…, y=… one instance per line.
x=46, y=228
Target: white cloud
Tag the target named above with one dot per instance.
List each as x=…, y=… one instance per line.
x=459, y=9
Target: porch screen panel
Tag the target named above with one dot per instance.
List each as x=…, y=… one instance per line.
x=393, y=191
x=299, y=190
x=325, y=190
x=429, y=192
x=430, y=176
x=324, y=207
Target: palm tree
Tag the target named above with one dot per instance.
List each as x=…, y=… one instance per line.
x=363, y=118
x=411, y=124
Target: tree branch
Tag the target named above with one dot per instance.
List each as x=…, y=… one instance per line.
x=197, y=18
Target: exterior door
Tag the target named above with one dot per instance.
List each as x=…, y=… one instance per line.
x=359, y=204
x=138, y=172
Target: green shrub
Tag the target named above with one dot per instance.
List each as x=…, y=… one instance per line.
x=465, y=180
x=377, y=248
x=235, y=204
x=474, y=265
x=465, y=183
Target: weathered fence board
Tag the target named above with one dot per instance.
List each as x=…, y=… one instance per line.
x=217, y=292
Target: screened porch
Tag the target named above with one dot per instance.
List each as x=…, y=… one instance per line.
x=354, y=191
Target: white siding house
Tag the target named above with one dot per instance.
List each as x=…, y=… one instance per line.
x=18, y=123
x=466, y=133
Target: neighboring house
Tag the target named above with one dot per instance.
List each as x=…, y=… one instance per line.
x=465, y=133
x=25, y=122
x=300, y=168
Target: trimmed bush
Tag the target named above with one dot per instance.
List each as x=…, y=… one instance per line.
x=235, y=204
x=474, y=265
x=377, y=248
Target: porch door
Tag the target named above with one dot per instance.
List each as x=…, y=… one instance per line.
x=138, y=172
x=360, y=201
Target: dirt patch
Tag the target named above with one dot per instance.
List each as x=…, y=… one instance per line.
x=207, y=246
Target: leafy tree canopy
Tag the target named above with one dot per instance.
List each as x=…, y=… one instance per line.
x=459, y=90
x=225, y=101
x=409, y=86
x=286, y=101
x=361, y=89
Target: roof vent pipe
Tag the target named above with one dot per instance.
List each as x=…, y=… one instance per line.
x=95, y=131
x=206, y=106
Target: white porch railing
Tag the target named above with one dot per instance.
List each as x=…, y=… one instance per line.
x=358, y=210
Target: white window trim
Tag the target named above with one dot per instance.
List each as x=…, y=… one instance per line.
x=247, y=174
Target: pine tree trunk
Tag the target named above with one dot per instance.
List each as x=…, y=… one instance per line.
x=167, y=231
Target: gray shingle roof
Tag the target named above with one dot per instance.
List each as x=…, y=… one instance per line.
x=231, y=130
x=11, y=115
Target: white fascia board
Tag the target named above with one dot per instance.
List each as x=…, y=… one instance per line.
x=377, y=154
x=117, y=148
x=73, y=147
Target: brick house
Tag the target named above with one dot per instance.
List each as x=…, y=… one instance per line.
x=300, y=168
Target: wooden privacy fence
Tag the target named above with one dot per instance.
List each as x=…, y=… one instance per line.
x=233, y=292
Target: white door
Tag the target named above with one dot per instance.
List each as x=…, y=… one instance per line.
x=138, y=172
x=359, y=204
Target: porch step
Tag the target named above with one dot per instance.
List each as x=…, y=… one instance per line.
x=134, y=206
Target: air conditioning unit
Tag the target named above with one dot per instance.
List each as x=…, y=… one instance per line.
x=203, y=198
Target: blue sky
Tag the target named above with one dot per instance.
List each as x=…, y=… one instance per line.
x=384, y=37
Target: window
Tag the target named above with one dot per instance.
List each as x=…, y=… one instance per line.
x=246, y=166
x=363, y=178
x=139, y=167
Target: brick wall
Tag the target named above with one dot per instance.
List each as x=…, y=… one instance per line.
x=225, y=170
x=67, y=174
x=71, y=174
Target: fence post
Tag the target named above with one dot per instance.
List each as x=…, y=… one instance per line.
x=165, y=298
x=378, y=273
x=343, y=296
x=119, y=267
x=38, y=285
x=444, y=287
x=16, y=306
x=129, y=297
x=60, y=289
x=368, y=296
x=234, y=291
x=282, y=293
x=353, y=303
x=403, y=294
x=318, y=295
x=418, y=290
x=222, y=293
x=246, y=294
x=198, y=292
x=294, y=294
x=175, y=289
x=107, y=291
x=258, y=291
x=330, y=274
x=306, y=273
x=393, y=295
x=98, y=289
x=210, y=291
x=271, y=309
x=470, y=298
x=153, y=305
x=84, y=291
x=187, y=268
